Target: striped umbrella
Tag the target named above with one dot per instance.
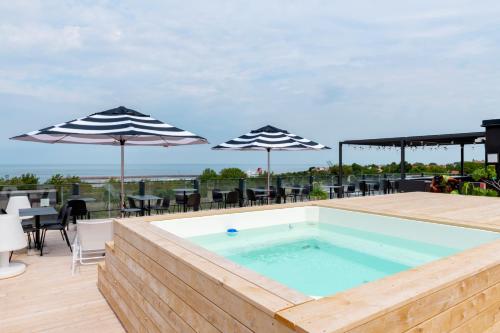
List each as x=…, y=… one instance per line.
x=116, y=127
x=270, y=138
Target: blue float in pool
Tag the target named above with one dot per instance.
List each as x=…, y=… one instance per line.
x=231, y=232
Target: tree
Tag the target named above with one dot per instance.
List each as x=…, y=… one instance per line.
x=208, y=174
x=232, y=173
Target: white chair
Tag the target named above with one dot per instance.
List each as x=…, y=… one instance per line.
x=11, y=239
x=18, y=202
x=90, y=240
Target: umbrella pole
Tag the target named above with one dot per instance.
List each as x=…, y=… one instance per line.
x=122, y=176
x=268, y=170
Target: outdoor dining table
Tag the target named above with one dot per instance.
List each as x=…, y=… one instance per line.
x=79, y=197
x=332, y=187
x=184, y=191
x=142, y=199
x=37, y=212
x=294, y=188
x=224, y=193
x=369, y=186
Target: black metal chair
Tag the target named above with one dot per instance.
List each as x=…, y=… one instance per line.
x=253, y=198
x=272, y=194
x=241, y=198
x=132, y=208
x=295, y=192
x=232, y=199
x=305, y=193
x=217, y=198
x=78, y=209
x=351, y=189
x=60, y=224
x=180, y=201
x=162, y=205
x=363, y=187
x=194, y=201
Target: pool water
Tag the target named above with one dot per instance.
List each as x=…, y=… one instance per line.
x=321, y=259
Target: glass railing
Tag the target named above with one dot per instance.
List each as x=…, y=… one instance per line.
x=103, y=198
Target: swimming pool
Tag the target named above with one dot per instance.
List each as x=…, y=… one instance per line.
x=321, y=251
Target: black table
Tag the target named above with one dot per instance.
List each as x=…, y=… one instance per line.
x=184, y=191
x=79, y=197
x=37, y=212
x=142, y=199
x=224, y=193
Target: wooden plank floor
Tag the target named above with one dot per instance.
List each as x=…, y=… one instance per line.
x=47, y=298
x=460, y=210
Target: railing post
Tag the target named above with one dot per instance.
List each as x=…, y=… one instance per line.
x=109, y=200
x=241, y=187
x=75, y=189
x=142, y=187
x=278, y=189
x=196, y=185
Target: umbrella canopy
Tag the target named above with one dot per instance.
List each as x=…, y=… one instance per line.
x=270, y=138
x=120, y=127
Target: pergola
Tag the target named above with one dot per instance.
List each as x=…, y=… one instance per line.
x=461, y=139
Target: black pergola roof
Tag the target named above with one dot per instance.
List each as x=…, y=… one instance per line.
x=422, y=140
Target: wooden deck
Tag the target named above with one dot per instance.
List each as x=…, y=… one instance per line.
x=47, y=298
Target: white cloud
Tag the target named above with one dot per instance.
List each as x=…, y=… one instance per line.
x=361, y=64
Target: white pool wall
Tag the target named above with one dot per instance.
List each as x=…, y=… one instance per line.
x=435, y=233
x=455, y=237
x=197, y=226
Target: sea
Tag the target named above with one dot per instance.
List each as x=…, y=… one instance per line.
x=45, y=171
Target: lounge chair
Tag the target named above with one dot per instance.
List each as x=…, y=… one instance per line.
x=89, y=244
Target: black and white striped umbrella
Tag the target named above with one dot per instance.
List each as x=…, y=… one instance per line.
x=120, y=127
x=270, y=138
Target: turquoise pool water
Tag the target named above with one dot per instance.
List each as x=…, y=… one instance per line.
x=321, y=259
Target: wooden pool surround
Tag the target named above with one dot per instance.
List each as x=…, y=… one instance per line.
x=157, y=282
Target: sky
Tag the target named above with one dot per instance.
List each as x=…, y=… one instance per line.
x=325, y=70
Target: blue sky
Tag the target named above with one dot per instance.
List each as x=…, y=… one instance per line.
x=327, y=70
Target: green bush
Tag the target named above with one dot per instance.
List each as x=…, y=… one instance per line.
x=481, y=173
x=318, y=193
x=232, y=173
x=208, y=174
x=491, y=193
x=26, y=181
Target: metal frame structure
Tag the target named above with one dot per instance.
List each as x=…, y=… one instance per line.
x=461, y=139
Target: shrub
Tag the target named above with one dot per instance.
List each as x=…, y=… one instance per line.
x=318, y=193
x=208, y=174
x=232, y=173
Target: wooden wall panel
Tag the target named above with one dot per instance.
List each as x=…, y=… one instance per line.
x=158, y=282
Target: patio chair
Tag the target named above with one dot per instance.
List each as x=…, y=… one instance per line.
x=272, y=193
x=254, y=198
x=241, y=198
x=194, y=201
x=351, y=189
x=162, y=205
x=132, y=208
x=78, y=209
x=305, y=193
x=60, y=224
x=217, y=198
x=18, y=202
x=89, y=244
x=232, y=199
x=180, y=200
